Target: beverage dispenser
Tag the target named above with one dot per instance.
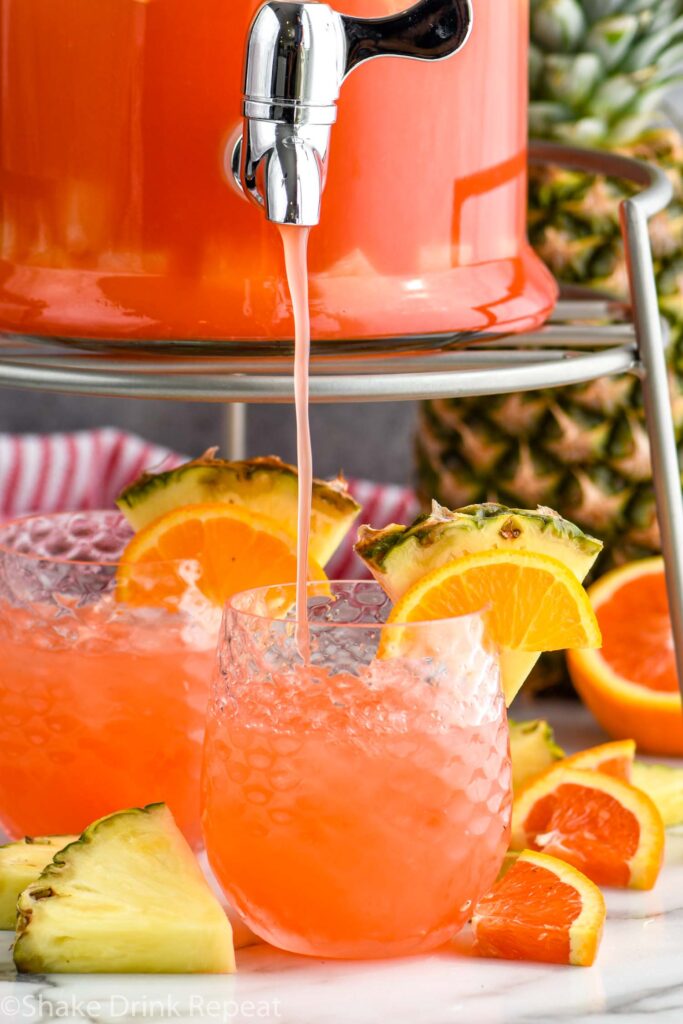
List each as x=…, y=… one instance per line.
x=118, y=132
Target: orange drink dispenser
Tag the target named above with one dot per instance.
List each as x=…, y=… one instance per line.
x=118, y=219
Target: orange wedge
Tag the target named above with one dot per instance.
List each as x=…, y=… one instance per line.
x=534, y=602
x=602, y=825
x=631, y=685
x=542, y=909
x=228, y=549
x=614, y=758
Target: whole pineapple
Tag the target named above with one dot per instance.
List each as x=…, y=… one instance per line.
x=600, y=74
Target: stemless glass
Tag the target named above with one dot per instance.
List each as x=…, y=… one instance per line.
x=102, y=702
x=356, y=802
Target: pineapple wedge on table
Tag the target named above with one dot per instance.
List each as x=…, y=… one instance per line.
x=20, y=864
x=664, y=785
x=532, y=749
x=127, y=897
x=265, y=485
x=398, y=556
x=600, y=72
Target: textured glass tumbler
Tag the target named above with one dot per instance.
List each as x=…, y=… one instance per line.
x=355, y=804
x=102, y=702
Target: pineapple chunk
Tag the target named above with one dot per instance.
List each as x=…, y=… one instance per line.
x=664, y=786
x=127, y=897
x=398, y=556
x=532, y=749
x=20, y=864
x=264, y=485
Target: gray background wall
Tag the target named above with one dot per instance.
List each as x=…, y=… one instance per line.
x=372, y=441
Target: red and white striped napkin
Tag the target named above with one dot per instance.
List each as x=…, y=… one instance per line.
x=88, y=469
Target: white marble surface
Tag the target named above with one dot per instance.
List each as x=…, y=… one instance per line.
x=638, y=975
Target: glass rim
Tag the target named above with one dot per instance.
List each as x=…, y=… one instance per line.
x=317, y=625
x=113, y=563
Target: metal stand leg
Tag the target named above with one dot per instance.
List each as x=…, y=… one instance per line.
x=235, y=430
x=665, y=469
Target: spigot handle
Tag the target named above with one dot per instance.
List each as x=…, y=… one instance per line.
x=429, y=30
x=298, y=54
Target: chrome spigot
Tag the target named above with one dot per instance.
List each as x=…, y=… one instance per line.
x=297, y=57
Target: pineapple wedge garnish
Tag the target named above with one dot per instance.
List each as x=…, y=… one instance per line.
x=266, y=485
x=664, y=785
x=532, y=749
x=20, y=864
x=398, y=556
x=127, y=897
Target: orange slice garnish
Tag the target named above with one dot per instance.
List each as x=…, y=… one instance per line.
x=631, y=685
x=601, y=824
x=615, y=758
x=542, y=909
x=229, y=549
x=534, y=602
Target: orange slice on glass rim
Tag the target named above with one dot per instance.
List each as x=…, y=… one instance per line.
x=533, y=602
x=541, y=909
x=631, y=685
x=600, y=824
x=220, y=549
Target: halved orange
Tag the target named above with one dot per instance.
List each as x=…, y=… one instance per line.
x=541, y=909
x=615, y=758
x=229, y=548
x=631, y=685
x=601, y=824
x=534, y=602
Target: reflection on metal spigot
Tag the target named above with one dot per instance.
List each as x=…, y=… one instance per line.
x=282, y=168
x=298, y=55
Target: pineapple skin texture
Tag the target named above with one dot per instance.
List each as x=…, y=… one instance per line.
x=599, y=72
x=128, y=897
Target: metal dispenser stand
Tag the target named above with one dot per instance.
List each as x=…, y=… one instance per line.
x=587, y=337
